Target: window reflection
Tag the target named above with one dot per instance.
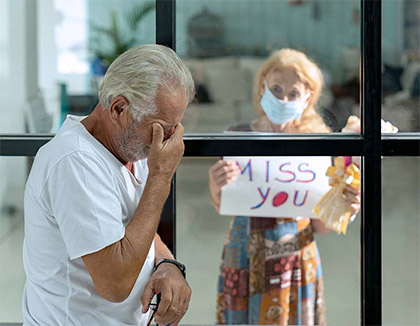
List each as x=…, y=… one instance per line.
x=401, y=64
x=224, y=62
x=225, y=43
x=401, y=240
x=202, y=234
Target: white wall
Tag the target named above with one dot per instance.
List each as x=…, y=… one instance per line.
x=18, y=82
x=47, y=54
x=269, y=24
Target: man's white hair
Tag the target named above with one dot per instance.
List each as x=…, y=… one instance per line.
x=140, y=73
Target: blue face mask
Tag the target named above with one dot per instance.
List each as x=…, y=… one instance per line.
x=279, y=111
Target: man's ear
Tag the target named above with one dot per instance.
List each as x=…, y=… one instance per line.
x=116, y=108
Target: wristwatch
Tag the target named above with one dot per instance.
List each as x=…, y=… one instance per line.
x=181, y=266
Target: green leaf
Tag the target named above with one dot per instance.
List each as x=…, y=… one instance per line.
x=134, y=16
x=120, y=40
x=116, y=31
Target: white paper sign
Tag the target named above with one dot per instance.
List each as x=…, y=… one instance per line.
x=276, y=186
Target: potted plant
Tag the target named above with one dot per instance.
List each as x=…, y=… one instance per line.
x=121, y=37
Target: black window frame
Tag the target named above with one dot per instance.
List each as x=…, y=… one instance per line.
x=370, y=145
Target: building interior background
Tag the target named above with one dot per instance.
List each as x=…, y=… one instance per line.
x=53, y=54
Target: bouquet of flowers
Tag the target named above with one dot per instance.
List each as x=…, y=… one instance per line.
x=332, y=208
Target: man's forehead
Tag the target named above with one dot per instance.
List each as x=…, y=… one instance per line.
x=173, y=106
x=167, y=116
x=171, y=100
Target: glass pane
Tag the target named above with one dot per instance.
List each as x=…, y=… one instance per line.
x=66, y=47
x=401, y=65
x=401, y=240
x=254, y=272
x=13, y=172
x=225, y=43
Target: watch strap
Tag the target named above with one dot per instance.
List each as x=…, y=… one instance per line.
x=181, y=266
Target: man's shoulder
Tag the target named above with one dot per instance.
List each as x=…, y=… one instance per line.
x=60, y=146
x=66, y=149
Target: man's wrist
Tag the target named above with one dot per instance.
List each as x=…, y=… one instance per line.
x=180, y=266
x=159, y=186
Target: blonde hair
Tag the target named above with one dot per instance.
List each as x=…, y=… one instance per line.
x=140, y=73
x=310, y=75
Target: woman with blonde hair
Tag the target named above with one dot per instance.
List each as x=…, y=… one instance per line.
x=271, y=270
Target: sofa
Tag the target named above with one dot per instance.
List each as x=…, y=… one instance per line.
x=224, y=87
x=224, y=98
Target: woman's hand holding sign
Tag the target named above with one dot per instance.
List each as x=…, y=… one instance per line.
x=220, y=174
x=286, y=186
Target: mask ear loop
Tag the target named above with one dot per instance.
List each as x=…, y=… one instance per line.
x=305, y=98
x=265, y=87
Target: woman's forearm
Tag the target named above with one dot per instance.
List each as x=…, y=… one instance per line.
x=319, y=227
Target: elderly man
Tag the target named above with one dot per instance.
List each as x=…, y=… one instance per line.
x=93, y=202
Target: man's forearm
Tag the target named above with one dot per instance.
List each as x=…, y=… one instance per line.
x=124, y=259
x=141, y=230
x=161, y=250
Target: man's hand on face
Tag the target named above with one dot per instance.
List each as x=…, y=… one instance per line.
x=175, y=294
x=165, y=155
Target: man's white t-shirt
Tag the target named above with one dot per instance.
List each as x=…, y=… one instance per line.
x=78, y=200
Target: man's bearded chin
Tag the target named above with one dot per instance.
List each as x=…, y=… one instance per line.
x=134, y=153
x=131, y=148
x=141, y=153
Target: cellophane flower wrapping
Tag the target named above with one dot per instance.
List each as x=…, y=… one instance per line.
x=332, y=209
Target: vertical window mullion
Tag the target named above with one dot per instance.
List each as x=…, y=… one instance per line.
x=165, y=35
x=165, y=23
x=371, y=231
x=167, y=226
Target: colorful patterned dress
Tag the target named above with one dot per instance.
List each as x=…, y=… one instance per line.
x=270, y=274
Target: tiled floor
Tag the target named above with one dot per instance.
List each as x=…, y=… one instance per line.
x=201, y=233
